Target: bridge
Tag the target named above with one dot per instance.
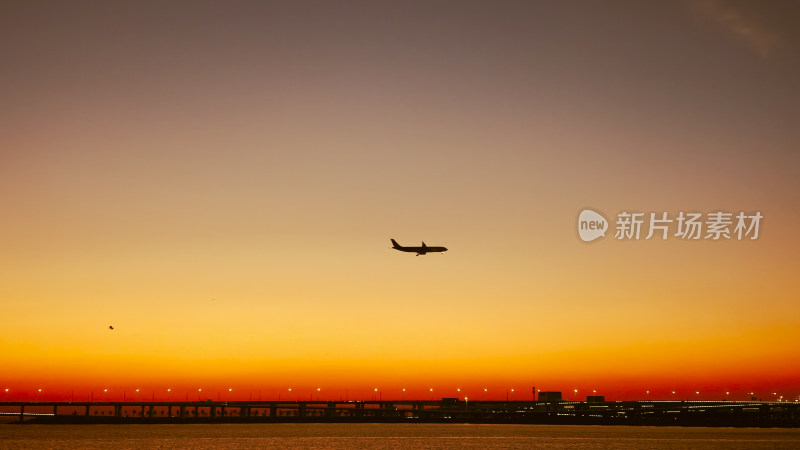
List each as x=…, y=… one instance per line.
x=684, y=413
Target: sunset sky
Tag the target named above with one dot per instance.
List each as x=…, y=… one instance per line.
x=219, y=182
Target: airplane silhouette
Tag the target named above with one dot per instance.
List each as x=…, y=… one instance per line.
x=418, y=250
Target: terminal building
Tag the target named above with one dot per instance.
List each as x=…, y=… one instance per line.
x=550, y=396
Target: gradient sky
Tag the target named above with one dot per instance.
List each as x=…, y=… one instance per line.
x=219, y=181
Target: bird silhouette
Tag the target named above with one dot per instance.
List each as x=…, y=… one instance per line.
x=110, y=327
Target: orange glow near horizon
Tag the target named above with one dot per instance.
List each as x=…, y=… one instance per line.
x=224, y=197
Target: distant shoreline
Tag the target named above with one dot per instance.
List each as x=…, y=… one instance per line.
x=109, y=420
x=445, y=411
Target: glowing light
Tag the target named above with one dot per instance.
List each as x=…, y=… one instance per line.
x=229, y=389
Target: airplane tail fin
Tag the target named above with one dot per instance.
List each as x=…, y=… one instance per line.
x=395, y=244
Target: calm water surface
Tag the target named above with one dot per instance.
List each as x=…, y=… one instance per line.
x=346, y=436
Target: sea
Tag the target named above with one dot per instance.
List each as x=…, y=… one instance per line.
x=388, y=436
